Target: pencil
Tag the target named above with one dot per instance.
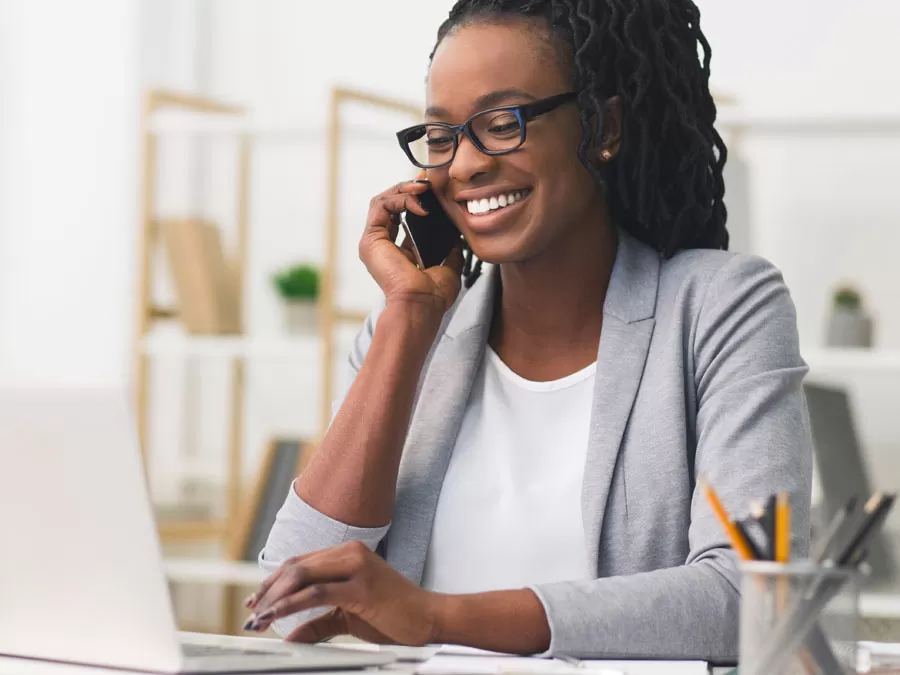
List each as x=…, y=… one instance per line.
x=782, y=528
x=738, y=543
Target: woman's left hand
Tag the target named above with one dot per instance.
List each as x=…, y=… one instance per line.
x=371, y=601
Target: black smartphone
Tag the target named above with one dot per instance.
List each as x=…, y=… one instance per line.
x=432, y=236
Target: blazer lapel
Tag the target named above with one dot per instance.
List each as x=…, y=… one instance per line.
x=442, y=400
x=624, y=342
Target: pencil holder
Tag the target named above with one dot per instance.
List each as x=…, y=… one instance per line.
x=798, y=618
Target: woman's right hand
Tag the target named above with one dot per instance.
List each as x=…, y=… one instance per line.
x=394, y=267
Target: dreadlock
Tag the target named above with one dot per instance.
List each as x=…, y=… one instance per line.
x=665, y=185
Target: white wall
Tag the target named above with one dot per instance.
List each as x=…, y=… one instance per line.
x=822, y=209
x=68, y=181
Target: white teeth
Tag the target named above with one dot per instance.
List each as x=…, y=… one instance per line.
x=481, y=206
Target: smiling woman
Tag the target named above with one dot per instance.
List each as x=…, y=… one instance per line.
x=515, y=465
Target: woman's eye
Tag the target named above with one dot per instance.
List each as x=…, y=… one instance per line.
x=438, y=142
x=504, y=128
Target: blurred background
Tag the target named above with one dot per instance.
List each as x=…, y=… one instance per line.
x=183, y=184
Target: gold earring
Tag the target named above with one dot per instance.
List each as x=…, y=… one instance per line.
x=605, y=155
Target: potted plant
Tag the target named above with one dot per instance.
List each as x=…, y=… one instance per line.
x=298, y=286
x=849, y=324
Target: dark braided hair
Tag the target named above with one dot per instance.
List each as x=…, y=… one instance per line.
x=665, y=185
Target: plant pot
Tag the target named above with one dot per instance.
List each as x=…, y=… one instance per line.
x=848, y=328
x=300, y=317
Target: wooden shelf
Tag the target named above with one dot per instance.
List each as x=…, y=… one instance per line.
x=288, y=348
x=836, y=361
x=808, y=125
x=204, y=571
x=190, y=530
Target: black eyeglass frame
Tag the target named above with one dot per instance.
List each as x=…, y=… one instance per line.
x=524, y=112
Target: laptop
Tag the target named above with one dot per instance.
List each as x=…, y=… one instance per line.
x=842, y=469
x=81, y=574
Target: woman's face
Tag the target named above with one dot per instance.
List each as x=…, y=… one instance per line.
x=487, y=65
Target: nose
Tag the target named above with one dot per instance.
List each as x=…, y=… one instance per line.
x=469, y=162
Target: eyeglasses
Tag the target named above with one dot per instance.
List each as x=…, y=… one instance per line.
x=494, y=132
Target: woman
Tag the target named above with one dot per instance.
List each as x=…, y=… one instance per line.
x=524, y=455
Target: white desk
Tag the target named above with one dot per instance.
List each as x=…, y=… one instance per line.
x=884, y=605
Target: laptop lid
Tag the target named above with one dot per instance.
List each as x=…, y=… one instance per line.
x=81, y=576
x=841, y=467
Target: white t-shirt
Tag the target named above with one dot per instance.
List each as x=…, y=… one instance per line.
x=509, y=513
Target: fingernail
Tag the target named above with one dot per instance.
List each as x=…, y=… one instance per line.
x=249, y=624
x=256, y=628
x=424, y=181
x=250, y=601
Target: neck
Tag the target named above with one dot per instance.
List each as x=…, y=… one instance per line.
x=551, y=307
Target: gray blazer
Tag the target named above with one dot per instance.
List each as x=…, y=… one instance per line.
x=698, y=374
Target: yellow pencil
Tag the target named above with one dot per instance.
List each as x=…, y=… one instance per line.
x=738, y=543
x=782, y=528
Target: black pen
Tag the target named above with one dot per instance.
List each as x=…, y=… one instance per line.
x=876, y=511
x=741, y=525
x=768, y=523
x=833, y=533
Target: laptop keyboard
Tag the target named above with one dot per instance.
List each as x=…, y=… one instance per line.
x=191, y=650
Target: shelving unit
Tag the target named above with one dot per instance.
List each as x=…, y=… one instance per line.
x=149, y=313
x=226, y=347
x=164, y=117
x=836, y=361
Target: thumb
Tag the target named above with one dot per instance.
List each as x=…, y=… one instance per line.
x=320, y=629
x=455, y=259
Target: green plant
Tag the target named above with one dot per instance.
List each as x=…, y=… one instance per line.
x=298, y=282
x=847, y=298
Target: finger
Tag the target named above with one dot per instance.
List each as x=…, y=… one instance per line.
x=455, y=259
x=417, y=186
x=335, y=564
x=254, y=598
x=385, y=210
x=320, y=629
x=317, y=595
x=394, y=227
x=406, y=248
x=280, y=582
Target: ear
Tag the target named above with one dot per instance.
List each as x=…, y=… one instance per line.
x=611, y=134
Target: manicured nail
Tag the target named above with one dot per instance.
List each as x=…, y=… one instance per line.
x=256, y=628
x=250, y=601
x=250, y=622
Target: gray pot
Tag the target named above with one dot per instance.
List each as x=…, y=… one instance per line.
x=848, y=328
x=300, y=317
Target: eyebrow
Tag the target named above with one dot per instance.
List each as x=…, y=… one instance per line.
x=495, y=98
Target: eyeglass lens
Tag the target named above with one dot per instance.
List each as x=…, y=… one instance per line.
x=497, y=131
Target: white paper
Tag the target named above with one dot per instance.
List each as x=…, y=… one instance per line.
x=504, y=665
x=653, y=667
x=460, y=650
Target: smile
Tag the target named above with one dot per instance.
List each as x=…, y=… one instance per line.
x=479, y=207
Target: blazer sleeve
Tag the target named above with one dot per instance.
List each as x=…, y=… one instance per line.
x=301, y=529
x=752, y=439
